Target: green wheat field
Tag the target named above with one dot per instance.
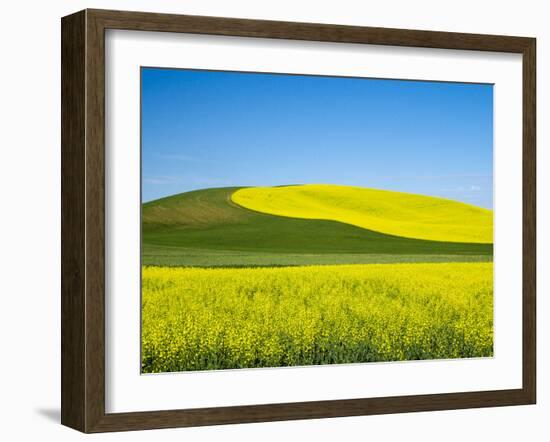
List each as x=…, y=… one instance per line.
x=313, y=274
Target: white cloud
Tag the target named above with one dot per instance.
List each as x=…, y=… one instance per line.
x=438, y=177
x=185, y=158
x=160, y=180
x=463, y=189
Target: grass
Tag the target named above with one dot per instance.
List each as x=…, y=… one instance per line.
x=202, y=319
x=183, y=257
x=394, y=213
x=184, y=229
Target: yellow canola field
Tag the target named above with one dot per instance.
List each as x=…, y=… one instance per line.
x=204, y=319
x=393, y=213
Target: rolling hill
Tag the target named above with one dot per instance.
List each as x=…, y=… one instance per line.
x=394, y=213
x=207, y=228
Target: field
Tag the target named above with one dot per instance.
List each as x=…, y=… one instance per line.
x=312, y=274
x=201, y=319
x=176, y=256
x=394, y=213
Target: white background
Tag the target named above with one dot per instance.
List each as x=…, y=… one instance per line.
x=30, y=221
x=128, y=391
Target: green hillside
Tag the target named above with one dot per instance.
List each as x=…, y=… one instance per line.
x=206, y=228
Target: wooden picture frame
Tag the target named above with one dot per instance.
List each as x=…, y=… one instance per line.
x=83, y=220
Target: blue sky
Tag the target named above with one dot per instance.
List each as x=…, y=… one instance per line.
x=205, y=129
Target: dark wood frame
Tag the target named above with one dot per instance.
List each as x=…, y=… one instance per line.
x=83, y=216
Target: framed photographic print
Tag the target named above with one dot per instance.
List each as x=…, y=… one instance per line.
x=268, y=220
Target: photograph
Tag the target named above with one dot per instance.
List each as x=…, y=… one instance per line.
x=292, y=220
